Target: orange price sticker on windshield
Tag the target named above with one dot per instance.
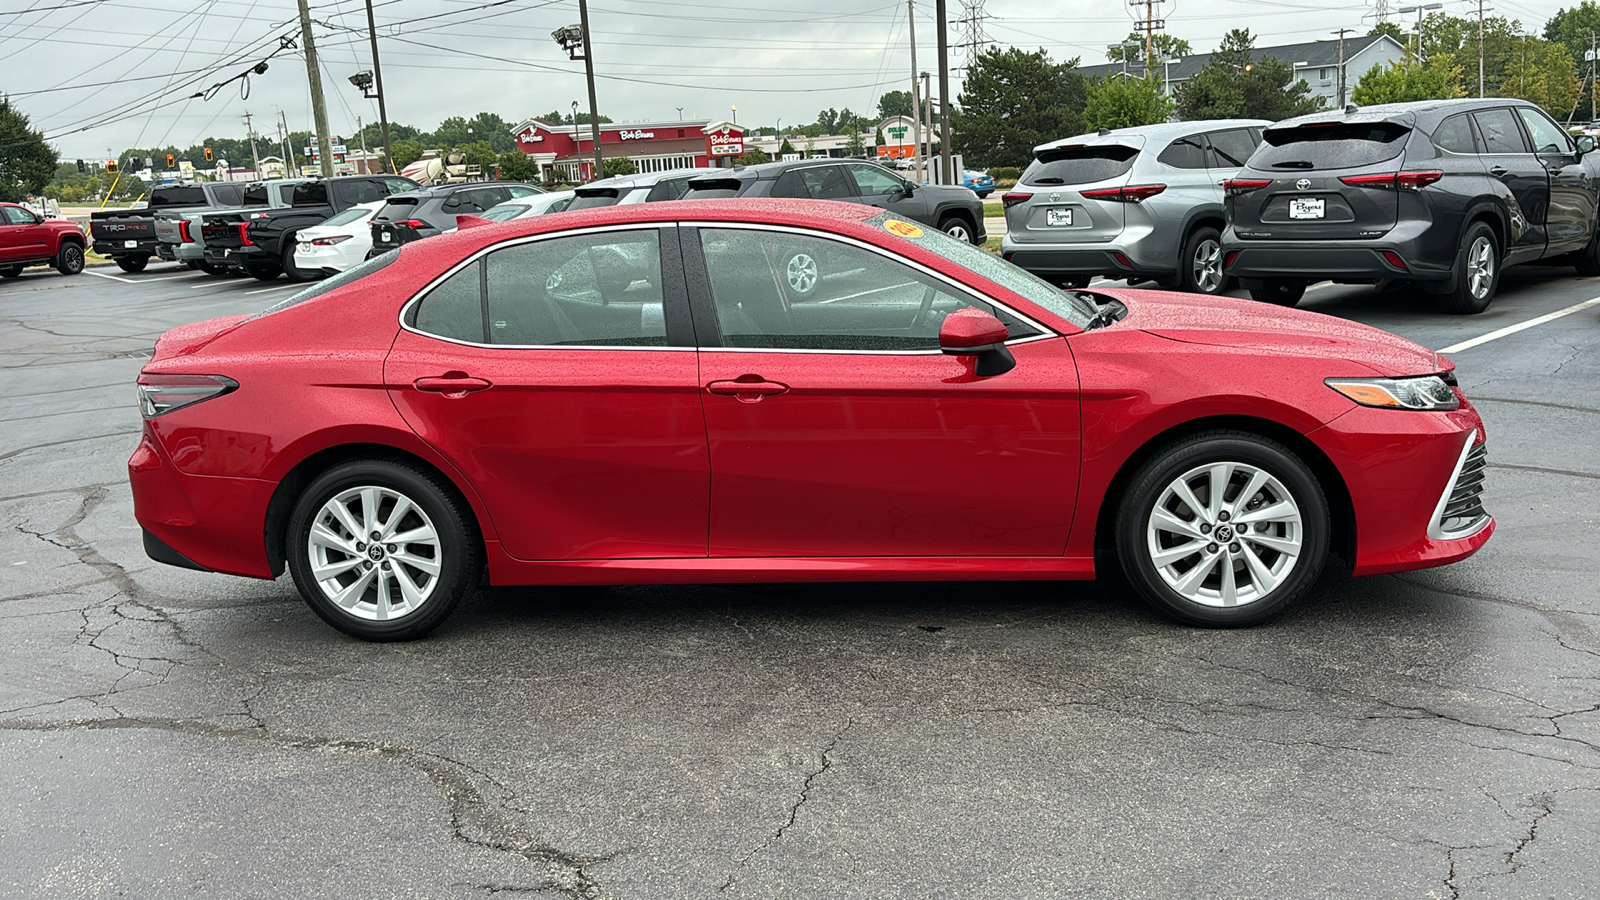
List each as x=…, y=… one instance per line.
x=904, y=229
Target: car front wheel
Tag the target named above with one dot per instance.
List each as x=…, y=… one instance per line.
x=382, y=551
x=69, y=259
x=1223, y=530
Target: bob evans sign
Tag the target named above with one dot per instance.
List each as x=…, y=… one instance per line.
x=636, y=135
x=725, y=143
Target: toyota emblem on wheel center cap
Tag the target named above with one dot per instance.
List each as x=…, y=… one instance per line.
x=1303, y=183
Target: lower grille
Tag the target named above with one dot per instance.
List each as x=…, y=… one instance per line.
x=1463, y=509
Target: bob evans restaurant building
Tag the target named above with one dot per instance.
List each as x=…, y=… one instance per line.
x=566, y=153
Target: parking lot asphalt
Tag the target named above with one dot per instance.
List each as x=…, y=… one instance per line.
x=173, y=733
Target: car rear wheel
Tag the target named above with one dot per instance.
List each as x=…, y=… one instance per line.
x=1223, y=529
x=957, y=227
x=294, y=272
x=131, y=264
x=212, y=268
x=1202, y=270
x=381, y=550
x=263, y=271
x=1279, y=291
x=69, y=259
x=1477, y=273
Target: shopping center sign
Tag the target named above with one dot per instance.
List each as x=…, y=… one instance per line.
x=724, y=139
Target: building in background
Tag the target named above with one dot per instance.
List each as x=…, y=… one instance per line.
x=566, y=152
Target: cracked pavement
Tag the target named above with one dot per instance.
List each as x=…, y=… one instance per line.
x=170, y=733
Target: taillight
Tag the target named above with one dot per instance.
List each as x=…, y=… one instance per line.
x=1013, y=199
x=1242, y=185
x=183, y=231
x=330, y=241
x=413, y=223
x=1132, y=193
x=1410, y=181
x=1227, y=261
x=159, y=394
x=244, y=234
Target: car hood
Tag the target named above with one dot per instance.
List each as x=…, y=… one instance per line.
x=1246, y=324
x=952, y=190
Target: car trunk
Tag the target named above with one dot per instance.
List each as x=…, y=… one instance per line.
x=1048, y=204
x=1321, y=181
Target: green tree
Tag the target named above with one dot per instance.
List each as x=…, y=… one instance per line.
x=829, y=120
x=1117, y=102
x=786, y=149
x=1165, y=46
x=1234, y=84
x=406, y=152
x=518, y=166
x=479, y=153
x=1575, y=29
x=1410, y=79
x=752, y=157
x=1392, y=29
x=1544, y=73
x=27, y=163
x=618, y=165
x=894, y=103
x=1012, y=101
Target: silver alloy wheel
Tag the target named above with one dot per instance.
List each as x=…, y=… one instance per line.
x=1225, y=534
x=374, y=553
x=1208, y=266
x=1480, y=267
x=959, y=232
x=801, y=273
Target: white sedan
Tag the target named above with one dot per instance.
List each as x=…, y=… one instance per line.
x=526, y=207
x=338, y=243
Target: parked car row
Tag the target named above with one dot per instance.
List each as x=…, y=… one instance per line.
x=1444, y=194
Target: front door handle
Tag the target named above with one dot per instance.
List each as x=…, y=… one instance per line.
x=747, y=389
x=451, y=384
x=1497, y=170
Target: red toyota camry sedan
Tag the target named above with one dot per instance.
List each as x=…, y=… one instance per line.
x=716, y=391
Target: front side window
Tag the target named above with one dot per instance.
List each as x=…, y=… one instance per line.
x=583, y=290
x=17, y=216
x=794, y=291
x=872, y=181
x=1547, y=135
x=1500, y=131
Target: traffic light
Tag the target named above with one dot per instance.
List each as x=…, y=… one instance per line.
x=81, y=167
x=208, y=154
x=111, y=167
x=169, y=160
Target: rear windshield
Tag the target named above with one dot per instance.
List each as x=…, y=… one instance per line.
x=397, y=208
x=1330, y=145
x=595, y=199
x=354, y=273
x=1080, y=165
x=189, y=195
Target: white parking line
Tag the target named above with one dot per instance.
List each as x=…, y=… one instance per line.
x=1521, y=326
x=112, y=277
x=277, y=288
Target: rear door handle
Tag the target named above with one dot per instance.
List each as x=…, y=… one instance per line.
x=747, y=391
x=457, y=384
x=1497, y=170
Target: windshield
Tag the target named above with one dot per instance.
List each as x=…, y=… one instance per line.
x=1025, y=284
x=353, y=214
x=1330, y=145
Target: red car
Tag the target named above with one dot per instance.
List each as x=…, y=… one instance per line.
x=659, y=393
x=28, y=240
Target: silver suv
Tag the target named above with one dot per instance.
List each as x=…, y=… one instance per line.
x=1137, y=203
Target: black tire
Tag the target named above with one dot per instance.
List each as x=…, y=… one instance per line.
x=212, y=268
x=132, y=264
x=1477, y=272
x=958, y=228
x=1228, y=561
x=1074, y=284
x=294, y=272
x=1200, y=266
x=69, y=259
x=194, y=264
x=457, y=553
x=264, y=271
x=1587, y=260
x=11, y=272
x=1279, y=292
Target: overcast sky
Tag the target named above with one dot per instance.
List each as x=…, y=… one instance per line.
x=771, y=59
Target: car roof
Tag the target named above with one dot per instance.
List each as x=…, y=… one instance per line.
x=1157, y=132
x=445, y=190
x=644, y=179
x=1407, y=113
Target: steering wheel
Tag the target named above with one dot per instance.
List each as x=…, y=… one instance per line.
x=927, y=304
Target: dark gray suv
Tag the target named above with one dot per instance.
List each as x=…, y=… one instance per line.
x=954, y=210
x=1444, y=193
x=414, y=215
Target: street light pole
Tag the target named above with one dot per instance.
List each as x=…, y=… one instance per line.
x=588, y=67
x=377, y=74
x=946, y=175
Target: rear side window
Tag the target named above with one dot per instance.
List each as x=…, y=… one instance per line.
x=814, y=182
x=1500, y=131
x=1080, y=165
x=310, y=193
x=349, y=193
x=1331, y=145
x=229, y=194
x=255, y=195
x=1184, y=153
x=1454, y=135
x=177, y=196
x=1231, y=149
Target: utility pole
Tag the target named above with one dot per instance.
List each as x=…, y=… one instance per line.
x=916, y=101
x=377, y=75
x=927, y=128
x=319, y=109
x=1341, y=33
x=283, y=140
x=1480, y=49
x=588, y=68
x=1592, y=54
x=366, y=162
x=255, y=158
x=945, y=174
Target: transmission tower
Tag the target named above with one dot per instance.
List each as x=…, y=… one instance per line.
x=1380, y=11
x=972, y=39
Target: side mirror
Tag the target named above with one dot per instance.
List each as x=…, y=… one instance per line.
x=908, y=188
x=1585, y=144
x=973, y=332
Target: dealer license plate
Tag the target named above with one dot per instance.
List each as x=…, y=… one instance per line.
x=130, y=244
x=1307, y=208
x=385, y=235
x=1054, y=217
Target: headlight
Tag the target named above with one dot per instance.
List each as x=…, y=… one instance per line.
x=1421, y=392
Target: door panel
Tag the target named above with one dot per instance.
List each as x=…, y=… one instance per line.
x=1571, y=213
x=1507, y=157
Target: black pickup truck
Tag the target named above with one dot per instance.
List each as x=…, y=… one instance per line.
x=261, y=241
x=129, y=235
